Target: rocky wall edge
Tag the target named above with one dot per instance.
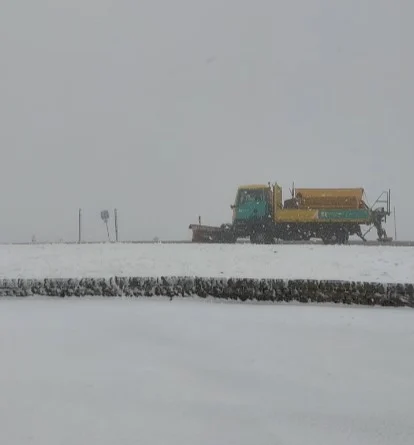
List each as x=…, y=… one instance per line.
x=241, y=289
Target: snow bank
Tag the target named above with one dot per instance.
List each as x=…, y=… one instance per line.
x=383, y=264
x=350, y=274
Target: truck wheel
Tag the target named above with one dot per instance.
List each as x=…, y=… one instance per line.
x=227, y=235
x=330, y=239
x=229, y=238
x=261, y=238
x=342, y=236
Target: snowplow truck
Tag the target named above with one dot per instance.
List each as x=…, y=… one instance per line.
x=329, y=214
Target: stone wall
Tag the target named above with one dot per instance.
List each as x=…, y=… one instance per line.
x=271, y=290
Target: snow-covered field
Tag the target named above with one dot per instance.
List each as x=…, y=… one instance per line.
x=117, y=371
x=364, y=263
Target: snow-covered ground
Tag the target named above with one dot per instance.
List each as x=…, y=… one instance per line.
x=117, y=371
x=365, y=263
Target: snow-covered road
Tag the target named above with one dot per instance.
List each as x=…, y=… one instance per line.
x=115, y=371
x=373, y=263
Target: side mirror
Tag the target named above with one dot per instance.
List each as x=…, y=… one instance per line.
x=232, y=206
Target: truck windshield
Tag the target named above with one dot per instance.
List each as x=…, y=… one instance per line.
x=249, y=195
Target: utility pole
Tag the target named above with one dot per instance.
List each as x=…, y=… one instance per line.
x=80, y=227
x=116, y=224
x=395, y=226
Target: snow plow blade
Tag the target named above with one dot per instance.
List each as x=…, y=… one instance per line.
x=212, y=234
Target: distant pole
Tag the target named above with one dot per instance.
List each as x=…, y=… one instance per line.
x=80, y=227
x=395, y=225
x=116, y=224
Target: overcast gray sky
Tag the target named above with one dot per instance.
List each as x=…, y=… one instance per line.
x=162, y=108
